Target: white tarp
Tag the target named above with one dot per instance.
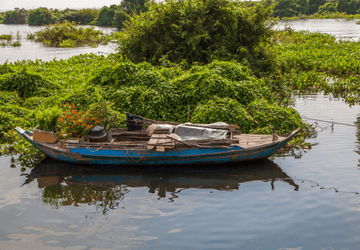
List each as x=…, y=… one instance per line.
x=199, y=133
x=216, y=125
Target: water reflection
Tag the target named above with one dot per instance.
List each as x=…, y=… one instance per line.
x=65, y=184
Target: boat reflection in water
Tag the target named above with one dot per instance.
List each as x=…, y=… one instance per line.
x=66, y=184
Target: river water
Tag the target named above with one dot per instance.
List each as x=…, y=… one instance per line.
x=309, y=200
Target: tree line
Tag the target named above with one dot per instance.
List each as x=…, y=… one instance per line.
x=290, y=8
x=113, y=16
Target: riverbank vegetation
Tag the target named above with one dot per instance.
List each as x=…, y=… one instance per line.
x=311, y=62
x=113, y=16
x=316, y=9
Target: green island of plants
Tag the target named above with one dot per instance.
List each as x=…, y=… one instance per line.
x=7, y=40
x=68, y=34
x=221, y=73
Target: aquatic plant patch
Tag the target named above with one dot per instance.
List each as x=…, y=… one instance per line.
x=68, y=34
x=219, y=91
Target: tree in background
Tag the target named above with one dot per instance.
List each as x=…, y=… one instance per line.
x=303, y=6
x=126, y=8
x=2, y=15
x=352, y=7
x=327, y=8
x=286, y=8
x=120, y=17
x=314, y=6
x=82, y=16
x=18, y=16
x=106, y=16
x=343, y=5
x=40, y=16
x=199, y=31
x=347, y=6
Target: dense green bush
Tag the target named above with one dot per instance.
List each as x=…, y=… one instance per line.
x=198, y=31
x=125, y=9
x=268, y=116
x=25, y=83
x=5, y=68
x=17, y=16
x=7, y=122
x=106, y=16
x=142, y=101
x=40, y=16
x=82, y=16
x=328, y=7
x=223, y=109
x=70, y=35
x=128, y=74
x=7, y=97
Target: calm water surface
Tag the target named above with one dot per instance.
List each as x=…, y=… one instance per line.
x=340, y=28
x=30, y=50
x=310, y=201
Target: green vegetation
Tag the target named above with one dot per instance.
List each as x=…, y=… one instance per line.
x=2, y=15
x=106, y=16
x=6, y=37
x=199, y=31
x=125, y=10
x=302, y=9
x=40, y=16
x=113, y=16
x=82, y=16
x=318, y=62
x=47, y=119
x=18, y=16
x=69, y=35
x=156, y=92
x=219, y=58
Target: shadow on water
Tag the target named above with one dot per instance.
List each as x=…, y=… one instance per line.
x=66, y=184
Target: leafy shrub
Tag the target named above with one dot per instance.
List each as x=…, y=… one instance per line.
x=5, y=37
x=7, y=122
x=33, y=102
x=106, y=16
x=15, y=110
x=7, y=97
x=82, y=16
x=40, y=16
x=25, y=83
x=5, y=68
x=268, y=116
x=16, y=44
x=129, y=74
x=223, y=110
x=17, y=16
x=47, y=119
x=140, y=100
x=69, y=34
x=197, y=31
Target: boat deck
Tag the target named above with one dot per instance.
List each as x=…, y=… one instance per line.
x=245, y=141
x=254, y=140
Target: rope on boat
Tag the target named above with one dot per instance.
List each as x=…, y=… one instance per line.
x=340, y=123
x=136, y=161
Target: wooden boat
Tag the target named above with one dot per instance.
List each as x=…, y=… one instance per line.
x=136, y=147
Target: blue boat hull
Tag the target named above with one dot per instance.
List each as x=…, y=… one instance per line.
x=152, y=157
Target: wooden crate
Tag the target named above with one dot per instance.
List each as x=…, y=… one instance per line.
x=44, y=136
